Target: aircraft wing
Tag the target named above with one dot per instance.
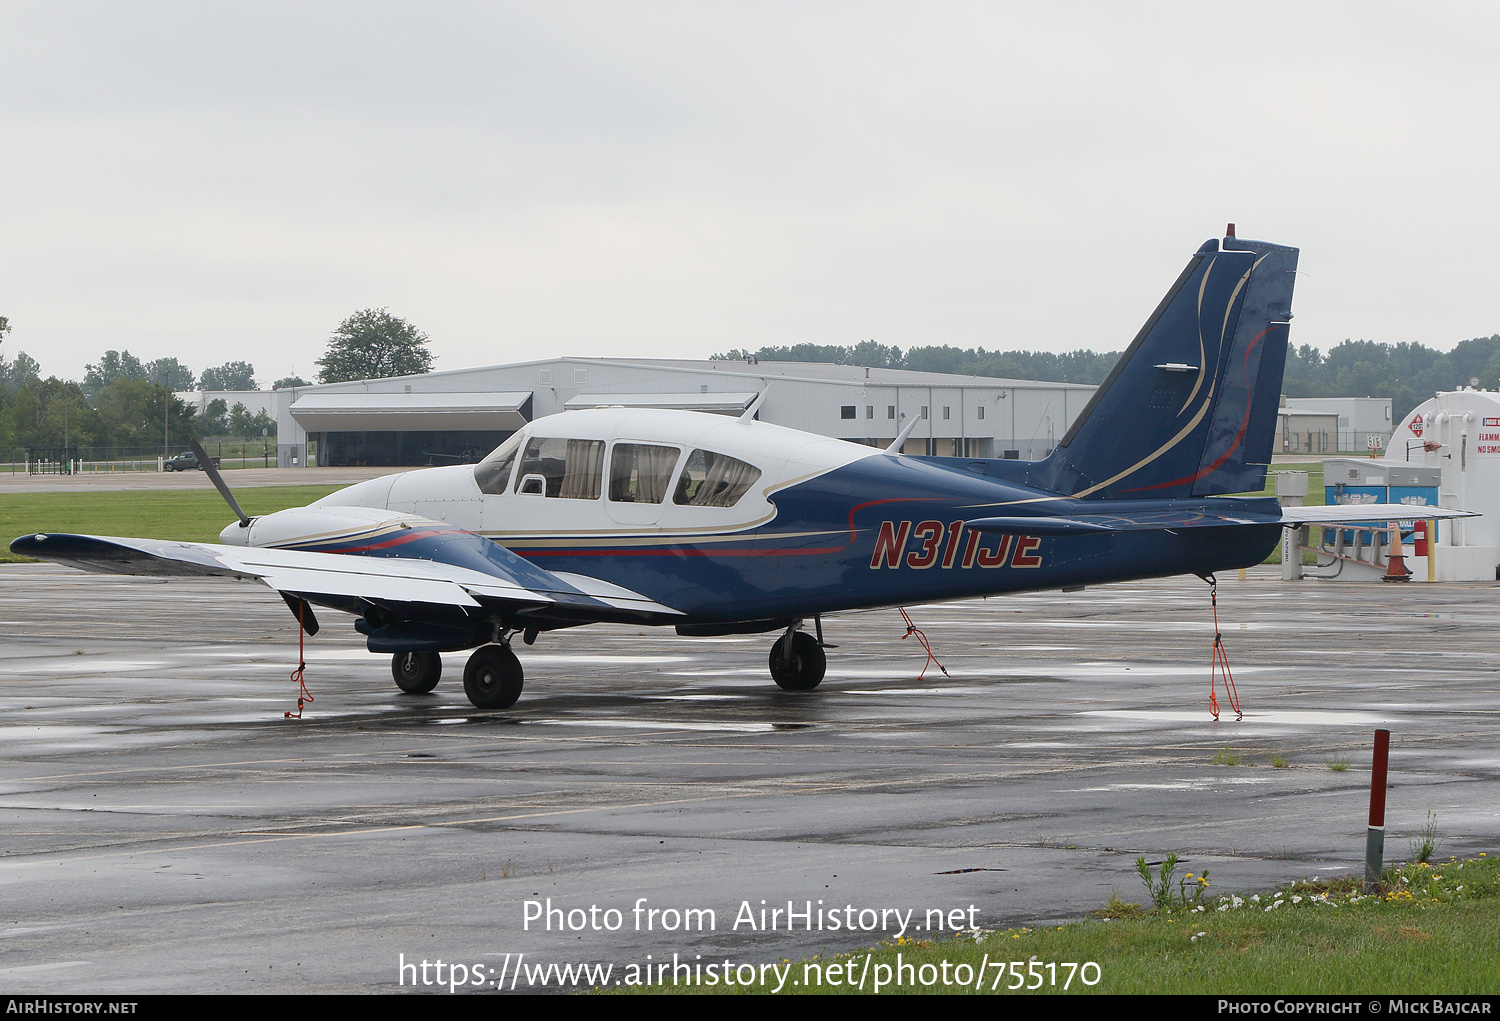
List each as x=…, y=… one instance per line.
x=1175, y=519
x=500, y=577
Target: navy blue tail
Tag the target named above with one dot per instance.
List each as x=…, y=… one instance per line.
x=1190, y=408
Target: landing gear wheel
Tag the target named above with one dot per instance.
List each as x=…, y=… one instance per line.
x=416, y=673
x=493, y=678
x=803, y=670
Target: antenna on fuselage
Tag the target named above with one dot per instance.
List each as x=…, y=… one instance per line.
x=895, y=447
x=749, y=413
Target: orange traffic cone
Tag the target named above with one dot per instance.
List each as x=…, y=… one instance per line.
x=1396, y=565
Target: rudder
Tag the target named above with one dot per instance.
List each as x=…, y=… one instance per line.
x=1190, y=408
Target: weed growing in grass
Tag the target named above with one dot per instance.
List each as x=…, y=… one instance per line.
x=1427, y=841
x=1228, y=758
x=1421, y=881
x=1190, y=888
x=1339, y=764
x=1160, y=888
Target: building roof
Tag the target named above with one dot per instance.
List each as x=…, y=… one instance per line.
x=823, y=372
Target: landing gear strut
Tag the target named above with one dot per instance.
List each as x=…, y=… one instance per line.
x=416, y=673
x=493, y=678
x=797, y=661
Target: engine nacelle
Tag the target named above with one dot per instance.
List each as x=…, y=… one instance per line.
x=300, y=526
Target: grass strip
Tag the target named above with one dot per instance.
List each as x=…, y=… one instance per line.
x=190, y=515
x=1432, y=931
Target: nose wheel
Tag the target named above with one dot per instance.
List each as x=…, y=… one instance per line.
x=802, y=668
x=416, y=673
x=493, y=677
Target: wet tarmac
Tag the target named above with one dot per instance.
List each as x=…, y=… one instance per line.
x=167, y=830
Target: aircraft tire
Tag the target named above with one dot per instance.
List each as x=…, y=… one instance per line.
x=493, y=677
x=416, y=673
x=803, y=671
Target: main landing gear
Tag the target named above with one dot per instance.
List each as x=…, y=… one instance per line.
x=798, y=660
x=492, y=678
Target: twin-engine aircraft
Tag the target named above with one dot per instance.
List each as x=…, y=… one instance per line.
x=719, y=526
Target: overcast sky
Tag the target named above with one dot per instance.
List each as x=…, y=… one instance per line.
x=217, y=181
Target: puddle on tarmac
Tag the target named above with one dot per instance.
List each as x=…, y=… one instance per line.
x=740, y=728
x=1306, y=718
x=1194, y=784
x=957, y=689
x=692, y=698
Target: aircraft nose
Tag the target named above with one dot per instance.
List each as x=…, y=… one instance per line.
x=235, y=534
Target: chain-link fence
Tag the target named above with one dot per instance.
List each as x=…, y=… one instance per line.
x=103, y=460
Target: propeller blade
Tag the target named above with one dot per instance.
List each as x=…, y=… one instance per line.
x=218, y=480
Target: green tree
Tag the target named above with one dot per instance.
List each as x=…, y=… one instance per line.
x=215, y=420
x=229, y=376
x=131, y=410
x=373, y=344
x=178, y=376
x=115, y=365
x=289, y=381
x=21, y=370
x=241, y=423
x=47, y=413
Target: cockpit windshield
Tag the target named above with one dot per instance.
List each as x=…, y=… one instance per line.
x=492, y=474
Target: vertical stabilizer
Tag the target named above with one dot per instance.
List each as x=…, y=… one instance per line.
x=1190, y=408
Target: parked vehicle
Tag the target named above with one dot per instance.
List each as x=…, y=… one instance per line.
x=185, y=462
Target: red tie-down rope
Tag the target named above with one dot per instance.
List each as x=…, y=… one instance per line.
x=1220, y=662
x=304, y=695
x=912, y=629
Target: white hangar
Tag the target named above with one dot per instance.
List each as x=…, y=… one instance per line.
x=461, y=414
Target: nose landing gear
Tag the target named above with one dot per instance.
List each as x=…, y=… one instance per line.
x=797, y=661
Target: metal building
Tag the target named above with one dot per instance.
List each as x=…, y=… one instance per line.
x=460, y=414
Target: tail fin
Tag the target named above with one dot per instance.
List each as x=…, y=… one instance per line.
x=1190, y=408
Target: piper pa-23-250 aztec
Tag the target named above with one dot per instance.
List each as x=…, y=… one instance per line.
x=719, y=526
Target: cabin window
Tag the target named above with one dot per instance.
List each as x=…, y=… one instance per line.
x=847, y=411
x=492, y=474
x=572, y=469
x=714, y=480
x=641, y=472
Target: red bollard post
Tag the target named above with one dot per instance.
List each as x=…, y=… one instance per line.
x=1375, y=835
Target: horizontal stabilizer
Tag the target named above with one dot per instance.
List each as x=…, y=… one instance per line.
x=1201, y=516
x=1346, y=513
